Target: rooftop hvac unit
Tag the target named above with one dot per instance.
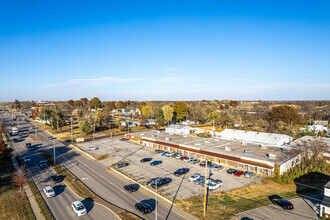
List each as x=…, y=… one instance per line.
x=167, y=138
x=143, y=134
x=154, y=136
x=207, y=142
x=243, y=143
x=227, y=149
x=216, y=139
x=262, y=146
x=271, y=156
x=198, y=144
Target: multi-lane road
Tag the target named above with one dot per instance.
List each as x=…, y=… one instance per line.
x=92, y=173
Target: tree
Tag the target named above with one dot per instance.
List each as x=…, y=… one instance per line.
x=71, y=102
x=17, y=104
x=5, y=152
x=78, y=103
x=84, y=101
x=159, y=117
x=287, y=114
x=168, y=113
x=146, y=111
x=120, y=105
x=85, y=127
x=95, y=103
x=19, y=178
x=180, y=109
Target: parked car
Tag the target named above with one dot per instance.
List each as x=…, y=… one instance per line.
x=283, y=203
x=15, y=140
x=146, y=159
x=143, y=207
x=120, y=165
x=181, y=171
x=194, y=161
x=249, y=174
x=175, y=155
x=26, y=159
x=213, y=185
x=123, y=139
x=151, y=181
x=56, y=178
x=31, y=148
x=203, y=163
x=79, y=208
x=200, y=180
x=183, y=158
x=218, y=181
x=67, y=141
x=49, y=191
x=231, y=171
x=178, y=156
x=50, y=137
x=92, y=148
x=161, y=182
x=158, y=151
x=210, y=165
x=156, y=162
x=31, y=128
x=132, y=187
x=165, y=153
x=238, y=173
x=194, y=177
x=187, y=159
x=42, y=164
x=218, y=167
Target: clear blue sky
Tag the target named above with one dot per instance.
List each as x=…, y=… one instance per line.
x=165, y=50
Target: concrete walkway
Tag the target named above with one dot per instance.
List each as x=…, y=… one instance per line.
x=29, y=194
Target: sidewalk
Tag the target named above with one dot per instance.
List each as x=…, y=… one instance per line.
x=29, y=194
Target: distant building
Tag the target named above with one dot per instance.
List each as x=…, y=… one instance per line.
x=325, y=204
x=127, y=112
x=178, y=129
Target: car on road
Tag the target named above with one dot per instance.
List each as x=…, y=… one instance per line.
x=146, y=159
x=156, y=162
x=56, y=178
x=285, y=204
x=42, y=164
x=218, y=167
x=131, y=187
x=231, y=171
x=79, y=208
x=158, y=151
x=143, y=207
x=120, y=165
x=67, y=141
x=123, y=139
x=194, y=177
x=200, y=180
x=238, y=173
x=249, y=174
x=181, y=171
x=92, y=148
x=49, y=191
x=26, y=159
x=161, y=182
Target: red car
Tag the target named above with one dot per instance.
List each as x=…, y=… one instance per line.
x=183, y=157
x=238, y=173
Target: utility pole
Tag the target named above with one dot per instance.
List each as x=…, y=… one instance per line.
x=54, y=149
x=35, y=129
x=71, y=131
x=111, y=149
x=205, y=191
x=94, y=130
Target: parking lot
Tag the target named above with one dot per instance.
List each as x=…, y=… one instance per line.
x=180, y=187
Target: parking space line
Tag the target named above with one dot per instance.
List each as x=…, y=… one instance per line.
x=171, y=196
x=169, y=190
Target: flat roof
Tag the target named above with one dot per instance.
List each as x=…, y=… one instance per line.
x=213, y=146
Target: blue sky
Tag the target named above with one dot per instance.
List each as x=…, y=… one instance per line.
x=165, y=50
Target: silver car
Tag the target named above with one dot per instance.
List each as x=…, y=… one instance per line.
x=249, y=174
x=200, y=180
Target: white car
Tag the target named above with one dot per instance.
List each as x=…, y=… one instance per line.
x=212, y=185
x=26, y=159
x=92, y=148
x=194, y=177
x=49, y=191
x=178, y=156
x=187, y=159
x=79, y=208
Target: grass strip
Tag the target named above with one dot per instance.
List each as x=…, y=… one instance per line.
x=41, y=202
x=103, y=157
x=127, y=215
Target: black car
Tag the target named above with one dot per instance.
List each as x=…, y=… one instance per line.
x=143, y=207
x=132, y=187
x=181, y=171
x=15, y=139
x=31, y=148
x=283, y=203
x=161, y=182
x=158, y=151
x=147, y=159
x=203, y=163
x=231, y=171
x=120, y=165
x=56, y=179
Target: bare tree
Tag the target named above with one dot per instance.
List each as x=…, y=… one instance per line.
x=19, y=178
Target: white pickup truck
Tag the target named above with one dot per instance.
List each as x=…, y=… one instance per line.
x=15, y=130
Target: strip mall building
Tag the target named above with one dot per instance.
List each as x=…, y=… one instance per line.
x=252, y=155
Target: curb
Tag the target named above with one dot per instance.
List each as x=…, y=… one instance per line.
x=77, y=148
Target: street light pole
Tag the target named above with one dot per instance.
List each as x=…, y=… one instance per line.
x=71, y=132
x=94, y=130
x=205, y=191
x=54, y=149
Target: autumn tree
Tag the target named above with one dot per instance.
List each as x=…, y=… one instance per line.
x=85, y=127
x=146, y=111
x=71, y=102
x=180, y=109
x=20, y=179
x=95, y=103
x=17, y=104
x=84, y=101
x=168, y=113
x=285, y=113
x=120, y=104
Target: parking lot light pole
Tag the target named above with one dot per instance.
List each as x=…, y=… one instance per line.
x=157, y=193
x=205, y=191
x=54, y=148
